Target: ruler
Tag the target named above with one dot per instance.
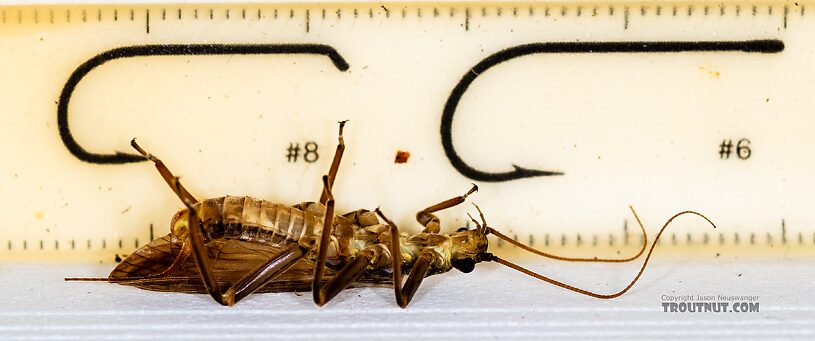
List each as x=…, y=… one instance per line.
x=563, y=114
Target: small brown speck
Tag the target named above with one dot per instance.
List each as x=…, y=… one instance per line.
x=117, y=259
x=401, y=156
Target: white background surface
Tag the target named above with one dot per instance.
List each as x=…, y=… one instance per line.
x=489, y=303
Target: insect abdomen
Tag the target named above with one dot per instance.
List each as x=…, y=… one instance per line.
x=250, y=219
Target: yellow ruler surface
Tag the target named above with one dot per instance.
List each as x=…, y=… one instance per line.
x=563, y=114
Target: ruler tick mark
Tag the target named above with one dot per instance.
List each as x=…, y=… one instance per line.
x=356, y=13
x=721, y=10
x=563, y=11
x=515, y=11
x=659, y=10
x=132, y=16
x=99, y=15
x=625, y=231
x=625, y=18
x=259, y=14
x=227, y=14
x=308, y=21
x=467, y=19
x=339, y=14
x=690, y=10
x=195, y=13
x=179, y=14
x=435, y=12
x=786, y=14
x=147, y=21
x=706, y=10
x=163, y=14
x=673, y=11
x=738, y=10
x=243, y=13
x=546, y=11
x=783, y=232
x=211, y=14
x=115, y=15
x=755, y=10
x=404, y=13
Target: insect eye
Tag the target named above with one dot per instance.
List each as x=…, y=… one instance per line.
x=461, y=229
x=465, y=265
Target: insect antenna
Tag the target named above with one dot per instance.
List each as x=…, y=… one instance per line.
x=577, y=259
x=491, y=257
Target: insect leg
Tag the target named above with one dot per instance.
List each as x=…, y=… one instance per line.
x=349, y=274
x=417, y=272
x=199, y=249
x=166, y=174
x=430, y=221
x=264, y=273
x=335, y=163
x=325, y=239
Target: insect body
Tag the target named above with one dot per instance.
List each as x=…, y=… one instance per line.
x=230, y=247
